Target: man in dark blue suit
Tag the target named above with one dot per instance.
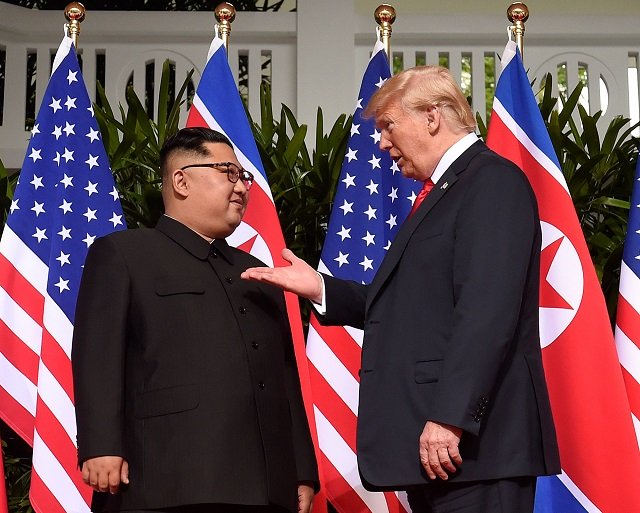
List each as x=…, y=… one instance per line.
x=453, y=401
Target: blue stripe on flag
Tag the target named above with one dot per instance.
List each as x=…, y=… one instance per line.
x=225, y=105
x=514, y=92
x=552, y=496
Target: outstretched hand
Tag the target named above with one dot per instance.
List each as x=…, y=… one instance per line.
x=299, y=278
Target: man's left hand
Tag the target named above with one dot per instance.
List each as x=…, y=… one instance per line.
x=305, y=497
x=439, y=449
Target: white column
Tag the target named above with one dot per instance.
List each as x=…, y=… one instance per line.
x=325, y=73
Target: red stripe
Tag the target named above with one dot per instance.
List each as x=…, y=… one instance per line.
x=16, y=416
x=57, y=361
x=329, y=402
x=341, y=344
x=57, y=440
x=628, y=320
x=342, y=496
x=21, y=290
x=394, y=504
x=21, y=356
x=41, y=498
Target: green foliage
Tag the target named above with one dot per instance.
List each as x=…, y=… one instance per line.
x=133, y=141
x=7, y=186
x=17, y=464
x=303, y=183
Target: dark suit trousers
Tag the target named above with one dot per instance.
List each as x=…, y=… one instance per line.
x=498, y=496
x=214, y=508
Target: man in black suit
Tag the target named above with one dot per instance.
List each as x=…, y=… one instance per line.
x=453, y=401
x=186, y=387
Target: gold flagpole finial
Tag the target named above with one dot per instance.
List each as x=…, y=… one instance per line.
x=225, y=14
x=518, y=13
x=75, y=13
x=385, y=15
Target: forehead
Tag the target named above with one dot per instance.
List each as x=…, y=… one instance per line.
x=390, y=110
x=221, y=152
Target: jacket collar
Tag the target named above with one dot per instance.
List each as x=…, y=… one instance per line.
x=444, y=185
x=191, y=241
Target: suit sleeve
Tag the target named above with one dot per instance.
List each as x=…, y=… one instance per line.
x=345, y=303
x=98, y=352
x=495, y=237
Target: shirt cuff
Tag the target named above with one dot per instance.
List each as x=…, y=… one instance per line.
x=321, y=308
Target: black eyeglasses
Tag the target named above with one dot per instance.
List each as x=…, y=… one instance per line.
x=234, y=173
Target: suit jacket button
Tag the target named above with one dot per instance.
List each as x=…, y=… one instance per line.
x=242, y=310
x=229, y=280
x=261, y=385
x=255, y=345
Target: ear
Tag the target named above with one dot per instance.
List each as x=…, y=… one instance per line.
x=433, y=119
x=180, y=183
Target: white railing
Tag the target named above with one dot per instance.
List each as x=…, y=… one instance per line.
x=314, y=61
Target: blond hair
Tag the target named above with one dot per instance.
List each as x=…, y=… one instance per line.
x=423, y=87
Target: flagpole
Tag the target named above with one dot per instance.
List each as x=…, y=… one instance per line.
x=75, y=14
x=518, y=14
x=385, y=15
x=225, y=14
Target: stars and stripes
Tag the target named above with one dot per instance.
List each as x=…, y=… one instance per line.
x=371, y=201
x=64, y=199
x=627, y=333
x=588, y=399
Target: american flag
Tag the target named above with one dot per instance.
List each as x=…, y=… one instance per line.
x=588, y=399
x=372, y=200
x=64, y=199
x=628, y=317
x=217, y=105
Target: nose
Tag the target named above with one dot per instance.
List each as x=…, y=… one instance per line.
x=385, y=143
x=240, y=188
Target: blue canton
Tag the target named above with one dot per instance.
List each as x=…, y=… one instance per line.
x=372, y=199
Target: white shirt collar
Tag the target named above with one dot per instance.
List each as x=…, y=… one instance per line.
x=452, y=154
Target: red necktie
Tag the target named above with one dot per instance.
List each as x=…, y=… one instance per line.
x=426, y=189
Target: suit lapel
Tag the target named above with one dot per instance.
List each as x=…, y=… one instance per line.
x=444, y=185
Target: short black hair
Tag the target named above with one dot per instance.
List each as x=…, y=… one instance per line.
x=191, y=140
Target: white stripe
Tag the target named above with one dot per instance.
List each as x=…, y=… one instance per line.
x=57, y=400
x=628, y=354
x=577, y=493
x=18, y=385
x=26, y=262
x=636, y=425
x=344, y=460
x=356, y=334
x=242, y=158
x=404, y=500
x=63, y=51
x=537, y=154
x=332, y=369
x=58, y=325
x=508, y=55
x=20, y=322
x=630, y=286
x=56, y=479
x=324, y=269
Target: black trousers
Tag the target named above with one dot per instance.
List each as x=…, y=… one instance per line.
x=214, y=508
x=515, y=495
